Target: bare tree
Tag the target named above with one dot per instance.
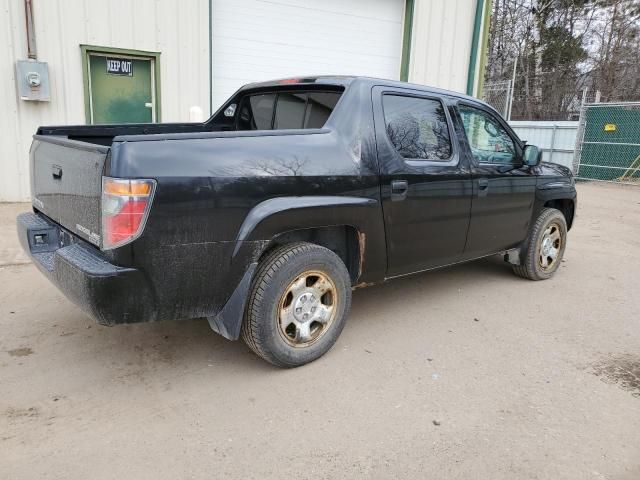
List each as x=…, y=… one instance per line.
x=561, y=47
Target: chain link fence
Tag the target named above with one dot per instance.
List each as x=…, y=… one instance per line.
x=608, y=142
x=498, y=95
x=544, y=96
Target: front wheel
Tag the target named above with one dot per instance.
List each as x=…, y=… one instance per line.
x=544, y=247
x=298, y=304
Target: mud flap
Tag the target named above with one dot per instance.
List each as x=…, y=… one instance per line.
x=229, y=320
x=513, y=256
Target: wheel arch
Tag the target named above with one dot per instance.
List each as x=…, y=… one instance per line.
x=566, y=206
x=558, y=194
x=346, y=241
x=350, y=226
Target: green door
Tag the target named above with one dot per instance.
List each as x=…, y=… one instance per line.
x=121, y=89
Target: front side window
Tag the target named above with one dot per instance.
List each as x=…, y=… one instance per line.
x=417, y=127
x=286, y=110
x=489, y=141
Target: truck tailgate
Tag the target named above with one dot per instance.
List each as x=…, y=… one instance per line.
x=67, y=183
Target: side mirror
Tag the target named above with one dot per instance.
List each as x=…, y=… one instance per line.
x=532, y=155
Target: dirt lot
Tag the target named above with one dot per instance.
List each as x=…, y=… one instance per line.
x=464, y=373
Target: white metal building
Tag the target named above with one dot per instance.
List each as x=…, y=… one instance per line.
x=185, y=53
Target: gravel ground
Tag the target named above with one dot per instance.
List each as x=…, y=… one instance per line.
x=467, y=372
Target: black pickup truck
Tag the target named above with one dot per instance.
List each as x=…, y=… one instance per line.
x=265, y=217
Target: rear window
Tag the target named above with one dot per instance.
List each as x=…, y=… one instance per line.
x=256, y=112
x=286, y=110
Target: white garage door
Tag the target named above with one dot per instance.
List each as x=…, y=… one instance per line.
x=255, y=40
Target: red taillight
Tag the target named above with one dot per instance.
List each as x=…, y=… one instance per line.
x=125, y=224
x=125, y=206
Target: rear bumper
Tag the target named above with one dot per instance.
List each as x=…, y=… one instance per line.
x=108, y=293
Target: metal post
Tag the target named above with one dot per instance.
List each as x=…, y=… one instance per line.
x=505, y=110
x=577, y=154
x=553, y=141
x=513, y=87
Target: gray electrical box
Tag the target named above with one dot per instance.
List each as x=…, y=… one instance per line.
x=33, y=80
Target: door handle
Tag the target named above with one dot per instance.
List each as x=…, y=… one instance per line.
x=483, y=186
x=399, y=190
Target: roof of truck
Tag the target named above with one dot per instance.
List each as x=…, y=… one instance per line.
x=346, y=80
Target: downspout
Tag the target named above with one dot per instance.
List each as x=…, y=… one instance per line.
x=210, y=57
x=475, y=40
x=32, y=51
x=406, y=40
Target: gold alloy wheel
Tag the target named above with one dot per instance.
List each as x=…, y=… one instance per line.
x=307, y=308
x=550, y=247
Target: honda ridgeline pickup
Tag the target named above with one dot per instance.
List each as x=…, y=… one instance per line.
x=265, y=217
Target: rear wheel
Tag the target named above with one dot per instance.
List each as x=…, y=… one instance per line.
x=298, y=305
x=544, y=247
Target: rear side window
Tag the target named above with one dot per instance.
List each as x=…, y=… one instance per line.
x=417, y=127
x=286, y=110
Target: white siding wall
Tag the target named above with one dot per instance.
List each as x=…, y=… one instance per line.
x=178, y=29
x=441, y=43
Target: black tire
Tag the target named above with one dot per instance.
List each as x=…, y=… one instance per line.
x=279, y=273
x=532, y=267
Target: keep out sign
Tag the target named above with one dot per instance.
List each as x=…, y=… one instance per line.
x=119, y=66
